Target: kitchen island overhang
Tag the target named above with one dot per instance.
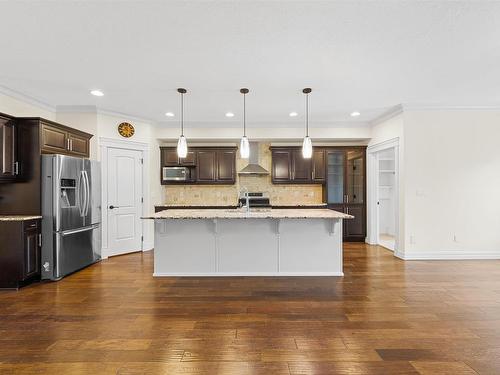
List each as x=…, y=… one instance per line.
x=232, y=242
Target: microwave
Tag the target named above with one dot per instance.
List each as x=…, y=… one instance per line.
x=175, y=174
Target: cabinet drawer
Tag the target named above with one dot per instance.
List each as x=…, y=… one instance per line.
x=31, y=225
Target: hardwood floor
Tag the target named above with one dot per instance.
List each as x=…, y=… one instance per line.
x=385, y=316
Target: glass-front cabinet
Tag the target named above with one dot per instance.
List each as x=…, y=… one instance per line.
x=346, y=190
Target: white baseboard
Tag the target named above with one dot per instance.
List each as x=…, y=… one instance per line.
x=228, y=274
x=148, y=246
x=448, y=255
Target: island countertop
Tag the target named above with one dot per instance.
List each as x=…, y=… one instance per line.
x=255, y=213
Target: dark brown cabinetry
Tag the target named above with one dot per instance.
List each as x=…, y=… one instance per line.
x=346, y=188
x=290, y=167
x=341, y=171
x=20, y=257
x=207, y=165
x=60, y=139
x=8, y=162
x=169, y=157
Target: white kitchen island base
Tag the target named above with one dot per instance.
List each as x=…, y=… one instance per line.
x=248, y=247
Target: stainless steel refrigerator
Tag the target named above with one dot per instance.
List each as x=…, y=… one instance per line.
x=71, y=214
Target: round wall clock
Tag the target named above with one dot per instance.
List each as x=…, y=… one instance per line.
x=126, y=130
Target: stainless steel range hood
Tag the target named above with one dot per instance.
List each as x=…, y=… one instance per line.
x=253, y=167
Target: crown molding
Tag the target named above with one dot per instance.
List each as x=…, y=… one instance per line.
x=447, y=107
x=76, y=109
x=127, y=116
x=387, y=115
x=27, y=99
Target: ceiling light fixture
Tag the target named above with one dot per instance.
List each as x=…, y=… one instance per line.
x=307, y=144
x=293, y=114
x=97, y=93
x=355, y=114
x=229, y=114
x=182, y=142
x=169, y=114
x=244, y=145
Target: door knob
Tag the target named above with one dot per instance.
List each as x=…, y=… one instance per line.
x=111, y=207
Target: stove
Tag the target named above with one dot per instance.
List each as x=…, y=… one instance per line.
x=255, y=200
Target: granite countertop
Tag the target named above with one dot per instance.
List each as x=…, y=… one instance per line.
x=255, y=213
x=19, y=217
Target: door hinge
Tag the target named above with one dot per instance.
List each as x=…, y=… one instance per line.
x=142, y=161
x=142, y=238
x=142, y=199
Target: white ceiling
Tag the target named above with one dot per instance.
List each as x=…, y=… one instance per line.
x=356, y=55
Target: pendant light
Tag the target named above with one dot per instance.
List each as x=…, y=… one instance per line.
x=307, y=144
x=244, y=145
x=182, y=148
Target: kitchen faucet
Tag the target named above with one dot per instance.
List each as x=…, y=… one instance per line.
x=246, y=196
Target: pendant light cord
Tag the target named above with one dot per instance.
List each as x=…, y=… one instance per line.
x=307, y=115
x=244, y=115
x=182, y=114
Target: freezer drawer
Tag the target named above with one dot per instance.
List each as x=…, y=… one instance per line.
x=73, y=250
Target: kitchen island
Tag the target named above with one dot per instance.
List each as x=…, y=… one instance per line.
x=234, y=242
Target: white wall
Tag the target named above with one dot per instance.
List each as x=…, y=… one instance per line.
x=452, y=160
x=22, y=108
x=386, y=130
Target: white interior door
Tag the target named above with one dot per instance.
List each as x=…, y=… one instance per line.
x=124, y=201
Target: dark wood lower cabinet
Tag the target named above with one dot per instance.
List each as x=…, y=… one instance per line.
x=354, y=230
x=19, y=253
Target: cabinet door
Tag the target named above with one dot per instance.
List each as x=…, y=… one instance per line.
x=355, y=176
x=53, y=139
x=190, y=159
x=7, y=149
x=226, y=161
x=318, y=165
x=206, y=168
x=301, y=167
x=335, y=176
x=355, y=229
x=169, y=157
x=31, y=250
x=78, y=145
x=281, y=166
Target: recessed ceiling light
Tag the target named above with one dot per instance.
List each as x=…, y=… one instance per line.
x=293, y=114
x=169, y=114
x=229, y=114
x=97, y=93
x=355, y=114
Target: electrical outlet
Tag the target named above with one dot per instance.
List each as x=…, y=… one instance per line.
x=455, y=239
x=412, y=239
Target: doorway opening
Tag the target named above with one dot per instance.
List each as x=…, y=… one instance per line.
x=383, y=220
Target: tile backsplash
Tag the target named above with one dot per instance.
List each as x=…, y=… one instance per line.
x=228, y=194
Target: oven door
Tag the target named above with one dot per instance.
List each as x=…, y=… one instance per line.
x=175, y=174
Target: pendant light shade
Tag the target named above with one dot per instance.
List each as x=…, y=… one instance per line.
x=307, y=149
x=244, y=145
x=244, y=148
x=182, y=147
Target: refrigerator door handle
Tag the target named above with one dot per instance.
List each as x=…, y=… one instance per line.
x=79, y=193
x=87, y=193
x=79, y=230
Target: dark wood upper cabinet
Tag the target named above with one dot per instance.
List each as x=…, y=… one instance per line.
x=226, y=165
x=60, y=139
x=290, y=167
x=206, y=166
x=281, y=166
x=301, y=167
x=53, y=139
x=169, y=157
x=78, y=145
x=189, y=160
x=8, y=162
x=319, y=166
